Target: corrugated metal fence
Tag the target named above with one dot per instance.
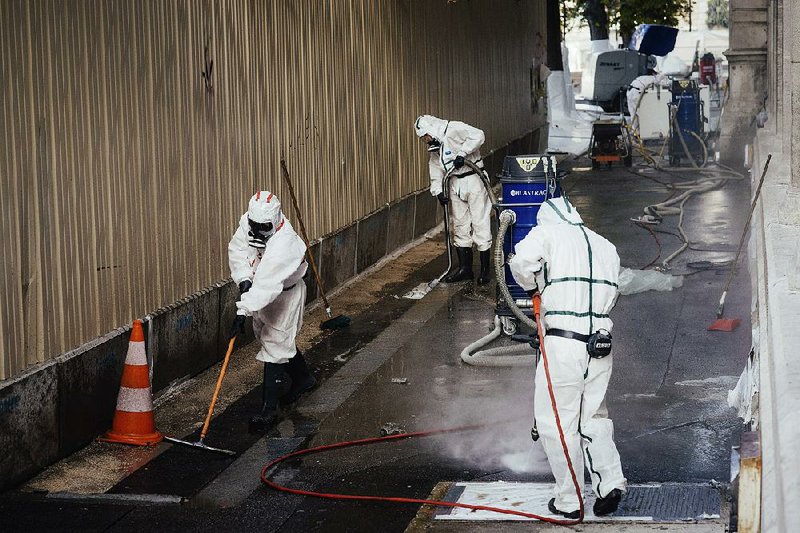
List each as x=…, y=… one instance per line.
x=133, y=133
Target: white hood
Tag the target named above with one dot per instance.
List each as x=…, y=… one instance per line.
x=430, y=125
x=558, y=211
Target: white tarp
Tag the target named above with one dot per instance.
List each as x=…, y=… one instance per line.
x=672, y=65
x=634, y=281
x=743, y=395
x=567, y=131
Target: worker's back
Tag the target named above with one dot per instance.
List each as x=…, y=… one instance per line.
x=576, y=269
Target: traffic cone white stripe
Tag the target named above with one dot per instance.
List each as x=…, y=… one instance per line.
x=134, y=422
x=134, y=400
x=136, y=354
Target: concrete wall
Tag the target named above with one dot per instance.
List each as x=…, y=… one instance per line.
x=747, y=81
x=52, y=410
x=774, y=256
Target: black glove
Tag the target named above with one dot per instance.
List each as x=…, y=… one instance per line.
x=442, y=198
x=245, y=286
x=237, y=327
x=458, y=162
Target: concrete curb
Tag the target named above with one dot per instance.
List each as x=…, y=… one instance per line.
x=773, y=262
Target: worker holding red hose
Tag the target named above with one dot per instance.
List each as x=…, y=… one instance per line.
x=576, y=271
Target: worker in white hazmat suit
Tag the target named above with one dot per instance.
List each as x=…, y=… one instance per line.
x=576, y=270
x=636, y=91
x=450, y=144
x=267, y=261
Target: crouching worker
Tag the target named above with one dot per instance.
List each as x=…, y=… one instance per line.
x=451, y=144
x=576, y=270
x=267, y=261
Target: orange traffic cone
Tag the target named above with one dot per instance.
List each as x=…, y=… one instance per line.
x=133, y=419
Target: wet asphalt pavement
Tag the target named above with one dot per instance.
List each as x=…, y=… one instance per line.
x=667, y=395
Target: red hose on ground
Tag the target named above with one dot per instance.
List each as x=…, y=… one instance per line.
x=360, y=497
x=537, y=311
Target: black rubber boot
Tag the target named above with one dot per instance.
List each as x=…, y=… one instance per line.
x=572, y=515
x=608, y=504
x=464, y=271
x=486, y=272
x=274, y=381
x=302, y=379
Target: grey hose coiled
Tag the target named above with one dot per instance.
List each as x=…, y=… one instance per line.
x=507, y=218
x=516, y=355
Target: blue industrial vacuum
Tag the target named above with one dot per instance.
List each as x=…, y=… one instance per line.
x=526, y=182
x=687, y=122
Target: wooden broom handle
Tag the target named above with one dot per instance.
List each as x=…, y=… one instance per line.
x=303, y=233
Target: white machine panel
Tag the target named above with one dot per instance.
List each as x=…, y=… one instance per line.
x=654, y=115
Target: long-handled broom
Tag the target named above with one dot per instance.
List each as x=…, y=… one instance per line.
x=339, y=321
x=200, y=444
x=730, y=324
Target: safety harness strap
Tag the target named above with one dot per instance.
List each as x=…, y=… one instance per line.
x=566, y=334
x=471, y=172
x=558, y=212
x=591, y=272
x=576, y=314
x=584, y=280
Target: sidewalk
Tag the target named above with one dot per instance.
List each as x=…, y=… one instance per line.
x=99, y=467
x=667, y=396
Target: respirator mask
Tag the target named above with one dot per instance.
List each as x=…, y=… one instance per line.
x=434, y=145
x=259, y=233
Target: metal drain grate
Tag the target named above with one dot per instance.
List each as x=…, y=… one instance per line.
x=670, y=502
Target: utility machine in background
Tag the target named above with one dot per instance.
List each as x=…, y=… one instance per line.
x=610, y=143
x=686, y=123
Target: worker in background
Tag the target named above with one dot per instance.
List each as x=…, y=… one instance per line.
x=576, y=270
x=267, y=261
x=450, y=144
x=636, y=91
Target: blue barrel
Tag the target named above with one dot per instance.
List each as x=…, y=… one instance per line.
x=526, y=182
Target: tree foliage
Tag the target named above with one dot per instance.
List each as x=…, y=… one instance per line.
x=635, y=12
x=626, y=14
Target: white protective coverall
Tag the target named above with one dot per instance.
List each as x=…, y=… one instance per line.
x=278, y=294
x=470, y=207
x=635, y=92
x=576, y=271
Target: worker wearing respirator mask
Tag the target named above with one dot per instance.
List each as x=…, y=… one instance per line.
x=267, y=262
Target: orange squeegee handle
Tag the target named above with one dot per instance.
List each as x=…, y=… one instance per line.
x=216, y=389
